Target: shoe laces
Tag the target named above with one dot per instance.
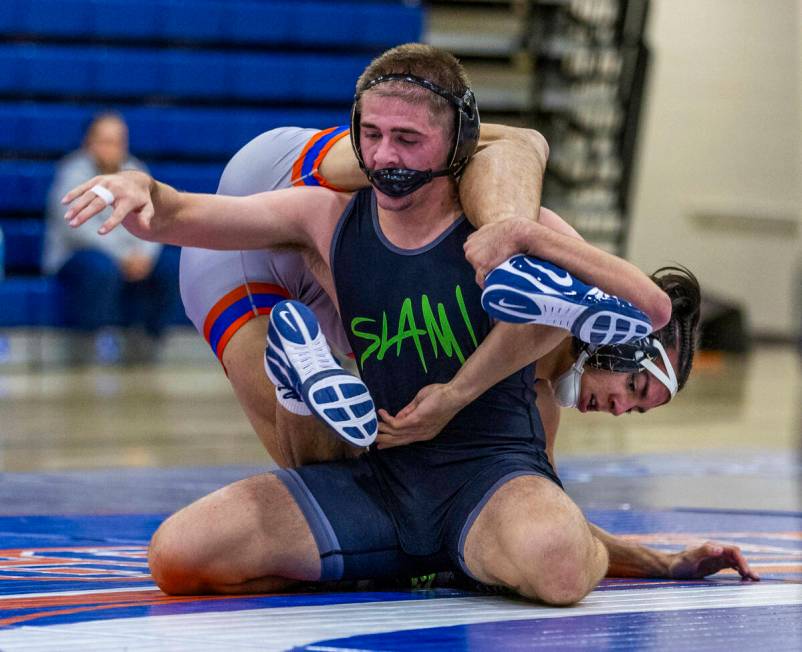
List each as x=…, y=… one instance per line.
x=313, y=357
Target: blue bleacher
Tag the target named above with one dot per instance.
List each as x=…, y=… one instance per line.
x=321, y=24
x=30, y=302
x=156, y=131
x=194, y=79
x=116, y=73
x=24, y=184
x=23, y=240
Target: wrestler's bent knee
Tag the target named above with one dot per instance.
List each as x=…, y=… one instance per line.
x=173, y=565
x=566, y=569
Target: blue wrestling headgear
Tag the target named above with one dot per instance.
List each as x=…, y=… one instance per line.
x=398, y=182
x=636, y=356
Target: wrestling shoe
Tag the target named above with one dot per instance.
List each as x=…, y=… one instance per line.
x=298, y=359
x=528, y=290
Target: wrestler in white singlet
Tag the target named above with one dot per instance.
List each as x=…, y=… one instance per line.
x=223, y=290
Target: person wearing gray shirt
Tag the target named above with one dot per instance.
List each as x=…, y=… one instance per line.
x=115, y=280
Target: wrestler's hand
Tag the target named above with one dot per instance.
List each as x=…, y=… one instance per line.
x=425, y=416
x=494, y=243
x=696, y=562
x=133, y=207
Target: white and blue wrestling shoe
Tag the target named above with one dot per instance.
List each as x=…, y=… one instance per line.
x=528, y=290
x=299, y=363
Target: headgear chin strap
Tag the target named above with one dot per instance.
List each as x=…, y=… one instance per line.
x=620, y=358
x=398, y=182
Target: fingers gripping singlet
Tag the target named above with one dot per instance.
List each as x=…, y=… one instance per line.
x=222, y=290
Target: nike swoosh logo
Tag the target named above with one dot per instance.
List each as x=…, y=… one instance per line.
x=503, y=303
x=565, y=281
x=285, y=315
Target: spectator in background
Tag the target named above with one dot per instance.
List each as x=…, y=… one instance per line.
x=111, y=281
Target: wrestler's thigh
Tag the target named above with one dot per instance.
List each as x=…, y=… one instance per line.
x=290, y=440
x=243, y=359
x=248, y=530
x=529, y=536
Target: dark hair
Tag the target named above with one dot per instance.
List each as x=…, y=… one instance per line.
x=682, y=331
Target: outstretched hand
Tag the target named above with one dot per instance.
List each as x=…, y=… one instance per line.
x=133, y=207
x=425, y=416
x=494, y=243
x=696, y=562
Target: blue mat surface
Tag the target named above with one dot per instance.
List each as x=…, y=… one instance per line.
x=81, y=582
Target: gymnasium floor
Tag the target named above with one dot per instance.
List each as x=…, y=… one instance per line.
x=92, y=461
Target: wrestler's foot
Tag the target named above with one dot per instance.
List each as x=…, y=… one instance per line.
x=528, y=290
x=299, y=358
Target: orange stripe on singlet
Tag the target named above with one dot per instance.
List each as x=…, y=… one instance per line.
x=298, y=178
x=247, y=312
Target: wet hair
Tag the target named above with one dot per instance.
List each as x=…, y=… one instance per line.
x=682, y=331
x=424, y=61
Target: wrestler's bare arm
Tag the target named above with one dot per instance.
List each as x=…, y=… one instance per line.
x=503, y=178
x=154, y=211
x=507, y=349
x=630, y=559
x=504, y=351
x=340, y=168
x=591, y=264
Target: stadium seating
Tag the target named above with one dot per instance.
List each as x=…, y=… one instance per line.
x=23, y=241
x=30, y=301
x=156, y=131
x=323, y=24
x=173, y=74
x=194, y=79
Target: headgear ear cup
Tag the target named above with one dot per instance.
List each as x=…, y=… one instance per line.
x=467, y=132
x=354, y=133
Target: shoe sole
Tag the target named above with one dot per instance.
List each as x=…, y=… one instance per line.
x=339, y=399
x=592, y=324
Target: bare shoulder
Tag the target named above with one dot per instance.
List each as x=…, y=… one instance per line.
x=320, y=204
x=315, y=196
x=318, y=211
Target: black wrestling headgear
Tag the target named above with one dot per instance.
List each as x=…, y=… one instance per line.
x=633, y=357
x=624, y=358
x=398, y=182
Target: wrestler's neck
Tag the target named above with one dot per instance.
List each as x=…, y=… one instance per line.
x=415, y=220
x=557, y=361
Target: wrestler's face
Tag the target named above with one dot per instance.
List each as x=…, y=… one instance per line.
x=620, y=393
x=396, y=133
